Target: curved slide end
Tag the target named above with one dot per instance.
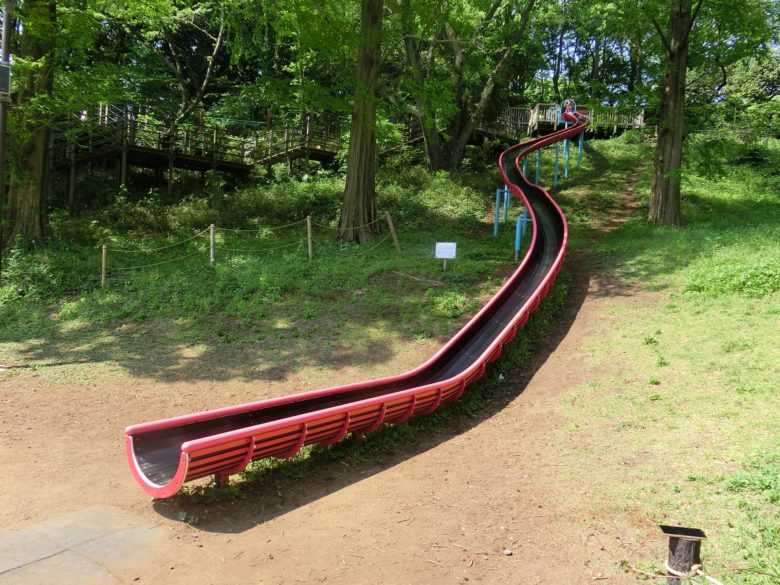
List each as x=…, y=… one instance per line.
x=156, y=490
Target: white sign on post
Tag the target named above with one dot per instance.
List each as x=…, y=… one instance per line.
x=446, y=250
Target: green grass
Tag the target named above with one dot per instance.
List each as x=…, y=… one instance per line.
x=690, y=378
x=262, y=290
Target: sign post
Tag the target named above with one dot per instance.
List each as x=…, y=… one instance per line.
x=446, y=251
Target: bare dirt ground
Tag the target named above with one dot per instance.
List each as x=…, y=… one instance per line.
x=499, y=500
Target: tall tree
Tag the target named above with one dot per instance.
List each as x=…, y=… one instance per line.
x=665, y=194
x=35, y=66
x=734, y=28
x=359, y=211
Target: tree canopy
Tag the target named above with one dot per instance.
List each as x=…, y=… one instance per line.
x=446, y=65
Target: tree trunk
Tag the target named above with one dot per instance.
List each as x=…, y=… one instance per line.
x=665, y=195
x=557, y=67
x=26, y=203
x=26, y=195
x=360, y=191
x=595, y=71
x=636, y=64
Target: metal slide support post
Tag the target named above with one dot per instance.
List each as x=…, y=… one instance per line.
x=555, y=168
x=580, y=146
x=538, y=166
x=525, y=165
x=518, y=237
x=506, y=203
x=498, y=209
x=525, y=219
x=566, y=156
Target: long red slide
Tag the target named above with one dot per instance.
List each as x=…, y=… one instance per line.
x=164, y=454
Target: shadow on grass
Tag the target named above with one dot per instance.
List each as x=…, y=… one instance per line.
x=291, y=484
x=640, y=251
x=264, y=322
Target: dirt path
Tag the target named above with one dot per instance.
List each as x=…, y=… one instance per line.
x=500, y=500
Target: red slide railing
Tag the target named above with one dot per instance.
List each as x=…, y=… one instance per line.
x=164, y=454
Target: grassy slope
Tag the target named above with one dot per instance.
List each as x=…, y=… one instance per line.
x=268, y=295
x=695, y=406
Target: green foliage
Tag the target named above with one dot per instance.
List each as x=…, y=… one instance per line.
x=449, y=304
x=761, y=477
x=757, y=275
x=758, y=485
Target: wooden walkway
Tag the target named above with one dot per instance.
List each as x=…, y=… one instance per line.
x=123, y=134
x=543, y=119
x=114, y=132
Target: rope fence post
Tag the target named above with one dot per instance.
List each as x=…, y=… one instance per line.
x=309, y=237
x=104, y=266
x=497, y=212
x=392, y=231
x=684, y=552
x=212, y=237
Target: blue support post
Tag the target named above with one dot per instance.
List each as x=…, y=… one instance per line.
x=555, y=168
x=498, y=209
x=538, y=166
x=566, y=156
x=525, y=165
x=525, y=220
x=518, y=237
x=506, y=203
x=579, y=150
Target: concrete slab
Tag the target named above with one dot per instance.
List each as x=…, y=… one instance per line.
x=85, y=525
x=99, y=545
x=23, y=547
x=124, y=551
x=65, y=567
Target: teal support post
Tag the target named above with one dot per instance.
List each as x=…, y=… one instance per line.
x=525, y=219
x=566, y=156
x=518, y=236
x=555, y=168
x=538, y=166
x=498, y=210
x=525, y=165
x=507, y=201
x=579, y=150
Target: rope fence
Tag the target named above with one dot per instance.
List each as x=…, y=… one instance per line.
x=214, y=246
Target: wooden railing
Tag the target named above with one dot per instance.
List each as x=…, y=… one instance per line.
x=107, y=128
x=600, y=117
x=113, y=127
